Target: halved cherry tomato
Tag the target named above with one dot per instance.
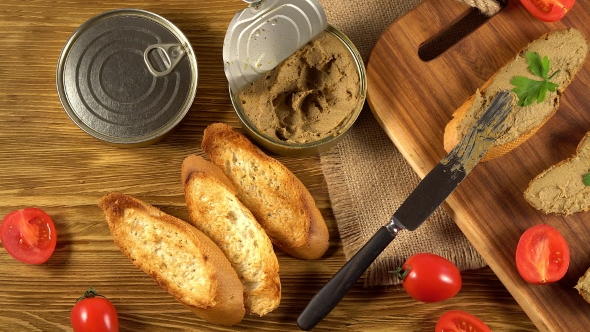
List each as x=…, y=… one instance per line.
x=460, y=321
x=94, y=313
x=542, y=255
x=28, y=235
x=430, y=278
x=548, y=10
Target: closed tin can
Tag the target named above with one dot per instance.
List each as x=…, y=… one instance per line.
x=127, y=77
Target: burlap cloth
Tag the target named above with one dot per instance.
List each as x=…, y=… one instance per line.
x=367, y=176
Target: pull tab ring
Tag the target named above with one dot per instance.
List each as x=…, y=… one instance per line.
x=170, y=54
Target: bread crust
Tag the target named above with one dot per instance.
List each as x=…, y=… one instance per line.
x=583, y=286
x=277, y=198
x=218, y=298
x=451, y=132
x=215, y=210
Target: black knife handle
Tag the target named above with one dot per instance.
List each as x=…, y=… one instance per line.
x=335, y=289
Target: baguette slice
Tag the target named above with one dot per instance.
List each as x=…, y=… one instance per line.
x=181, y=259
x=583, y=286
x=216, y=211
x=280, y=202
x=566, y=50
x=560, y=188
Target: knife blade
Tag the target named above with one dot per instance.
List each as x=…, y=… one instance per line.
x=428, y=195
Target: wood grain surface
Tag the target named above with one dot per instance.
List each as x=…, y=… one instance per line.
x=413, y=100
x=48, y=162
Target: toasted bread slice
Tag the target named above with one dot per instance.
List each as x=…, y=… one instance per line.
x=583, y=286
x=181, y=259
x=216, y=211
x=279, y=201
x=560, y=189
x=566, y=50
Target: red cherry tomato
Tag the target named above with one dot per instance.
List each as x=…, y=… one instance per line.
x=430, y=278
x=548, y=10
x=460, y=321
x=94, y=313
x=542, y=255
x=28, y=235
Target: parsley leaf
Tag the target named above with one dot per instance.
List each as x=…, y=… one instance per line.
x=529, y=90
x=587, y=179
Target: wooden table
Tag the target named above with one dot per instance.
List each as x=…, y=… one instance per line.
x=48, y=162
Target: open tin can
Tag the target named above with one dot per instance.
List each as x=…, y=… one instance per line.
x=263, y=35
x=127, y=77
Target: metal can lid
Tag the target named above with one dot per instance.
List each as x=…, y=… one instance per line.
x=127, y=76
x=265, y=33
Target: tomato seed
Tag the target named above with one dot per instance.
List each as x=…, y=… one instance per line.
x=544, y=6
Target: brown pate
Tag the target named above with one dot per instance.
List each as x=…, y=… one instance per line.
x=307, y=97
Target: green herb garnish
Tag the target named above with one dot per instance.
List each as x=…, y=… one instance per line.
x=529, y=90
x=586, y=179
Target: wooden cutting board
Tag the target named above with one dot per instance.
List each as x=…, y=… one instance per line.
x=414, y=99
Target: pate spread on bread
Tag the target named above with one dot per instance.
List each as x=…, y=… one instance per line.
x=276, y=197
x=566, y=50
x=560, y=189
x=216, y=211
x=180, y=258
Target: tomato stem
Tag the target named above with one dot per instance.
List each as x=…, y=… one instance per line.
x=401, y=272
x=90, y=293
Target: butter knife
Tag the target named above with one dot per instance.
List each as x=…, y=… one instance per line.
x=436, y=186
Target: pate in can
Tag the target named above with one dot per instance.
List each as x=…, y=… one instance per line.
x=286, y=67
x=127, y=77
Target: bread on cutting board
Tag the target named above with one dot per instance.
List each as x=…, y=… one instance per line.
x=566, y=50
x=276, y=197
x=583, y=286
x=560, y=189
x=180, y=258
x=216, y=211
